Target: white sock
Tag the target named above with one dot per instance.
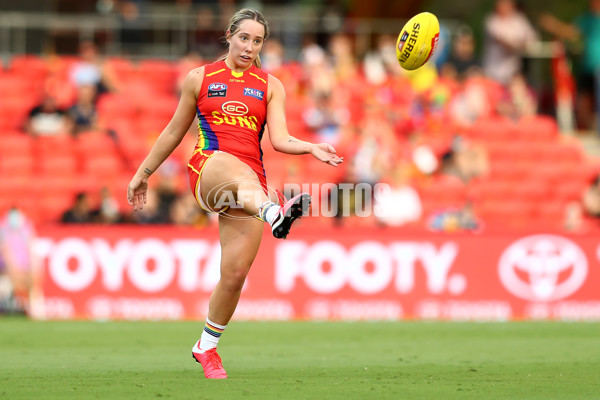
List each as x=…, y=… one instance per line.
x=268, y=211
x=210, y=335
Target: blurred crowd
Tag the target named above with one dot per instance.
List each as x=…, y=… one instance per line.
x=423, y=133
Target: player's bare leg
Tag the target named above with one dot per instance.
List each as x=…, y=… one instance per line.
x=240, y=237
x=225, y=177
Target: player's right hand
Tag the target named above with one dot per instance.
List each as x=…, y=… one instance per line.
x=136, y=192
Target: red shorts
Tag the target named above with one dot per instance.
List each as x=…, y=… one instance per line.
x=195, y=167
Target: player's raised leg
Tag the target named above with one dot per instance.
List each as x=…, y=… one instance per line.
x=226, y=179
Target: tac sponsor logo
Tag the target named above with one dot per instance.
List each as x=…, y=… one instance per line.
x=257, y=94
x=235, y=108
x=543, y=268
x=217, y=90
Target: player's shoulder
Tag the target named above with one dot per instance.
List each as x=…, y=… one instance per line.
x=194, y=79
x=197, y=72
x=274, y=81
x=275, y=87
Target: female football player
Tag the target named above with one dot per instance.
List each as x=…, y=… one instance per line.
x=234, y=101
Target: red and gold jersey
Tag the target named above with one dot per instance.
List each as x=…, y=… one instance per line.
x=232, y=112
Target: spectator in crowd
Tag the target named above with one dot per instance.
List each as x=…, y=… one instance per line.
x=131, y=33
x=471, y=102
x=586, y=29
x=92, y=70
x=519, y=99
x=83, y=115
x=47, y=119
x=508, y=33
x=344, y=60
x=464, y=160
x=108, y=210
x=152, y=212
x=461, y=62
x=80, y=212
x=318, y=70
x=17, y=261
x=591, y=199
x=381, y=64
x=273, y=56
x=375, y=152
x=324, y=119
x=574, y=220
x=207, y=37
x=455, y=219
x=185, y=212
x=397, y=203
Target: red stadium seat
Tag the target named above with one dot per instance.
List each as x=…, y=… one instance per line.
x=568, y=190
x=505, y=213
x=446, y=190
x=49, y=183
x=493, y=191
x=531, y=192
x=113, y=107
x=58, y=164
x=162, y=107
x=30, y=66
x=536, y=128
x=16, y=164
x=496, y=128
x=95, y=144
x=15, y=111
x=103, y=167
x=550, y=213
x=19, y=88
x=160, y=74
x=15, y=142
x=122, y=68
x=52, y=206
x=55, y=146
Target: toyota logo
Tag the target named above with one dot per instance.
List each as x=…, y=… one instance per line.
x=543, y=268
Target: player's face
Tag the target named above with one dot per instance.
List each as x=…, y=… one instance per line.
x=246, y=43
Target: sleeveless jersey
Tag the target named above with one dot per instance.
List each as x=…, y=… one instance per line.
x=232, y=112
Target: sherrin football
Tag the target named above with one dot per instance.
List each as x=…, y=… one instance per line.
x=418, y=40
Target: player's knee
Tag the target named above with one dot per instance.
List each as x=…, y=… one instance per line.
x=235, y=277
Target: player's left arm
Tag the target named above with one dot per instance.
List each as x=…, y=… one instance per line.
x=280, y=138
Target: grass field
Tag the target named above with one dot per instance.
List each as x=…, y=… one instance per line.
x=301, y=360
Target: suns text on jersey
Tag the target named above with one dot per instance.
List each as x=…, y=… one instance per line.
x=244, y=121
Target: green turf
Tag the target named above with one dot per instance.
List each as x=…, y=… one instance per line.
x=301, y=360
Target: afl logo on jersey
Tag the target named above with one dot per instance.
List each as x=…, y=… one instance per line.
x=217, y=90
x=235, y=108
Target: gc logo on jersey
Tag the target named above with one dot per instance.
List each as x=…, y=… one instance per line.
x=257, y=94
x=235, y=108
x=217, y=90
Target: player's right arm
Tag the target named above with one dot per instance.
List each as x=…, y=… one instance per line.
x=168, y=140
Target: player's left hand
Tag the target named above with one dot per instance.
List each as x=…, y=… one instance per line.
x=136, y=192
x=326, y=153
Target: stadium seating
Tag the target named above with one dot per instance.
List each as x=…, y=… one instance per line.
x=534, y=171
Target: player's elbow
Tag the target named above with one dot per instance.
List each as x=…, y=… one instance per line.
x=278, y=142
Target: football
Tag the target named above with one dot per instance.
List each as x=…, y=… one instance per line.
x=417, y=40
